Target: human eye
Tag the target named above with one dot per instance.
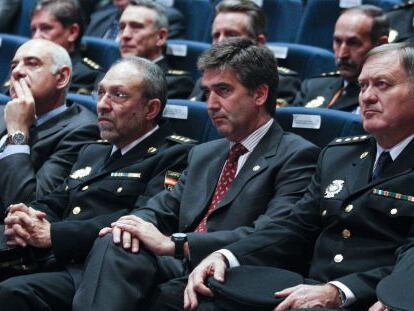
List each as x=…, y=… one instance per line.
x=382, y=85
x=223, y=90
x=120, y=95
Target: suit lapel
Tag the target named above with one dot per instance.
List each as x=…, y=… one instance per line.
x=255, y=164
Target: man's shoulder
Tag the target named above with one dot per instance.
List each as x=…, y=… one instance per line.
x=350, y=140
x=324, y=78
x=79, y=115
x=408, y=5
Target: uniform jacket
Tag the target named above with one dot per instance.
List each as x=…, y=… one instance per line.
x=401, y=22
x=345, y=228
x=85, y=71
x=289, y=86
x=270, y=182
x=102, y=19
x=318, y=92
x=95, y=195
x=54, y=147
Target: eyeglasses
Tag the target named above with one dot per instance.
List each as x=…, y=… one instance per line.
x=116, y=96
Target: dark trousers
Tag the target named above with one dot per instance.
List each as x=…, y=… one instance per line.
x=116, y=279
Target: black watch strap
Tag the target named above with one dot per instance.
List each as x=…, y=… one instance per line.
x=179, y=240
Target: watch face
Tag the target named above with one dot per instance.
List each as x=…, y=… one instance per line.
x=179, y=235
x=18, y=138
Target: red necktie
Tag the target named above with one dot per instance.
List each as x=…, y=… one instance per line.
x=224, y=183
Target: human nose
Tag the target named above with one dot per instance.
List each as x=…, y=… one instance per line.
x=367, y=95
x=104, y=103
x=18, y=71
x=213, y=101
x=343, y=50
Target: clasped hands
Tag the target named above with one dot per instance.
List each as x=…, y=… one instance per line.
x=300, y=296
x=130, y=231
x=27, y=226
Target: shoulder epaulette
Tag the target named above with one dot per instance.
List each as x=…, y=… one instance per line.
x=181, y=139
x=286, y=71
x=175, y=72
x=403, y=5
x=349, y=140
x=330, y=74
x=90, y=63
x=101, y=141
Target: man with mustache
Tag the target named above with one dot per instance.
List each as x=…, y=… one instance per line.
x=138, y=160
x=41, y=132
x=357, y=31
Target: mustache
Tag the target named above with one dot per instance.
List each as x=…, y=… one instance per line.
x=345, y=62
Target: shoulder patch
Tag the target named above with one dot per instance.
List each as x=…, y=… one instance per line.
x=181, y=139
x=330, y=74
x=90, y=63
x=175, y=72
x=403, y=5
x=349, y=140
x=285, y=70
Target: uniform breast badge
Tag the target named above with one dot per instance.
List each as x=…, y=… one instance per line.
x=334, y=188
x=316, y=102
x=82, y=172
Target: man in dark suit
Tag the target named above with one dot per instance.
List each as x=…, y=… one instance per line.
x=244, y=18
x=355, y=214
x=104, y=23
x=41, y=134
x=216, y=201
x=140, y=160
x=357, y=30
x=143, y=32
x=62, y=22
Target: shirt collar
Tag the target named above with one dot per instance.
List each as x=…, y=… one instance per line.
x=396, y=150
x=135, y=142
x=251, y=141
x=49, y=115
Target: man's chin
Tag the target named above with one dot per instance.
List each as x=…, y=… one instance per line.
x=349, y=74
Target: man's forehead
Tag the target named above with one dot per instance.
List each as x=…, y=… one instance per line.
x=353, y=24
x=33, y=51
x=381, y=65
x=234, y=20
x=138, y=14
x=216, y=76
x=122, y=75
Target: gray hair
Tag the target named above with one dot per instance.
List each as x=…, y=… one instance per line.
x=252, y=64
x=161, y=19
x=154, y=83
x=405, y=52
x=60, y=58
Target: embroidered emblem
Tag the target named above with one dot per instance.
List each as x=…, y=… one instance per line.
x=363, y=155
x=394, y=195
x=334, y=188
x=316, y=102
x=128, y=175
x=171, y=179
x=82, y=172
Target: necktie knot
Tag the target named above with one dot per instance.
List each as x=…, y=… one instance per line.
x=113, y=157
x=383, y=162
x=236, y=151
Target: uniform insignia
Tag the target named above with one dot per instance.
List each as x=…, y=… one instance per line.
x=102, y=141
x=181, y=139
x=334, y=188
x=403, y=5
x=351, y=139
x=171, y=179
x=314, y=103
x=83, y=91
x=394, y=195
x=281, y=102
x=125, y=174
x=82, y=172
x=363, y=155
x=256, y=168
x=152, y=150
x=175, y=72
x=91, y=63
x=392, y=35
x=330, y=74
x=285, y=70
x=7, y=84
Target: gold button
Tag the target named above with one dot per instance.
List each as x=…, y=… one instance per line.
x=66, y=188
x=394, y=211
x=346, y=233
x=338, y=258
x=324, y=212
x=349, y=208
x=76, y=210
x=85, y=188
x=119, y=190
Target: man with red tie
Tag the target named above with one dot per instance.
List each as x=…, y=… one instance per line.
x=231, y=187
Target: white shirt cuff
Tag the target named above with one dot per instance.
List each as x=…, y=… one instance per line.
x=233, y=262
x=349, y=295
x=13, y=149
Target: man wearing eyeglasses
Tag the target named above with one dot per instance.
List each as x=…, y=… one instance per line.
x=109, y=178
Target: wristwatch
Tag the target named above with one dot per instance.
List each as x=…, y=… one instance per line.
x=17, y=138
x=179, y=239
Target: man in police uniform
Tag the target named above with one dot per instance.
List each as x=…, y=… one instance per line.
x=62, y=22
x=244, y=18
x=107, y=181
x=143, y=32
x=355, y=214
x=231, y=187
x=357, y=30
x=41, y=133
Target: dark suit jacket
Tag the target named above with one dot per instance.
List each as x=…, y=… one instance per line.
x=102, y=19
x=345, y=227
x=289, y=86
x=318, y=92
x=92, y=198
x=54, y=147
x=270, y=182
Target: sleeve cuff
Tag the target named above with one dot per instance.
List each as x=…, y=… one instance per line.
x=349, y=295
x=233, y=262
x=13, y=149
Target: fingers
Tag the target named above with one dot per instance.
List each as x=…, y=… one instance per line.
x=135, y=245
x=116, y=235
x=286, y=292
x=105, y=231
x=27, y=93
x=18, y=207
x=19, y=218
x=126, y=239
